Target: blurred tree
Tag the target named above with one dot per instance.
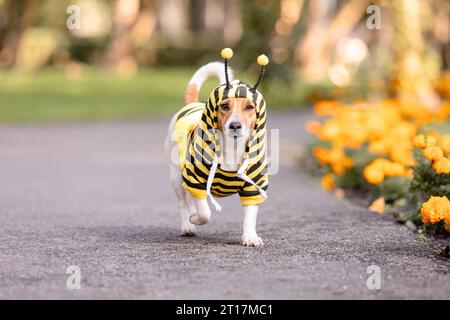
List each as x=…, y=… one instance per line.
x=19, y=16
x=259, y=18
x=281, y=40
x=134, y=22
x=232, y=25
x=197, y=9
x=118, y=53
x=413, y=60
x=441, y=30
x=326, y=25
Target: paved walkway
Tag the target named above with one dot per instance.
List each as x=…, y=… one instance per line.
x=98, y=196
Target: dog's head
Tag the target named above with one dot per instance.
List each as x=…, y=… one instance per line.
x=238, y=106
x=235, y=108
x=236, y=117
x=238, y=109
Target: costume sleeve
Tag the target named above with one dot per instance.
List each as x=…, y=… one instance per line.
x=193, y=183
x=250, y=195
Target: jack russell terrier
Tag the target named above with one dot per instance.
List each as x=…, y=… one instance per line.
x=218, y=148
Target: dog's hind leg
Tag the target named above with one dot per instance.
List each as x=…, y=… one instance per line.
x=172, y=152
x=187, y=228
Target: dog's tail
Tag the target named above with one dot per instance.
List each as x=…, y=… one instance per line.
x=211, y=69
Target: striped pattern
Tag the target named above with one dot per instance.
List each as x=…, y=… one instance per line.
x=202, y=146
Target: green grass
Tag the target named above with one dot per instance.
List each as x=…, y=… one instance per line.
x=49, y=96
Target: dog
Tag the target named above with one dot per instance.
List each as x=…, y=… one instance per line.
x=217, y=148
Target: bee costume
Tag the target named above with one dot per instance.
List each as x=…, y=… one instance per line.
x=197, y=135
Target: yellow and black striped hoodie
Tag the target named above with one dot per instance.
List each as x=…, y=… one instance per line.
x=197, y=134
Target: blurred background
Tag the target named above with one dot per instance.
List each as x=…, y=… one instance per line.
x=110, y=59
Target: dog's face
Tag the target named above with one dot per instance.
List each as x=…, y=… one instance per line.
x=236, y=117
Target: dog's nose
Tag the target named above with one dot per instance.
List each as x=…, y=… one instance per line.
x=235, y=125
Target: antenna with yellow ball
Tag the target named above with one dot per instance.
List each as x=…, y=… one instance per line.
x=226, y=54
x=262, y=61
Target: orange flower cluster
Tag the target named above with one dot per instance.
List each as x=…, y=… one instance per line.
x=435, y=210
x=383, y=126
x=435, y=148
x=328, y=182
x=380, y=168
x=387, y=128
x=334, y=157
x=389, y=131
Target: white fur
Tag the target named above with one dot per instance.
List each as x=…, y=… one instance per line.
x=249, y=236
x=232, y=151
x=212, y=69
x=233, y=143
x=195, y=211
x=243, y=132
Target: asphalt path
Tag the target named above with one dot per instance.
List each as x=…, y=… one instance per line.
x=97, y=196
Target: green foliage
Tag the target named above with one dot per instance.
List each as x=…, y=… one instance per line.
x=353, y=178
x=259, y=17
x=427, y=181
x=361, y=157
x=395, y=188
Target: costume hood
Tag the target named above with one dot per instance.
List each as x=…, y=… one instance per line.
x=205, y=138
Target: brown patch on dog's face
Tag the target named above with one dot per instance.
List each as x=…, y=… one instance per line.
x=236, y=116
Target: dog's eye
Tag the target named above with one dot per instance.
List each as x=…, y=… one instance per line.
x=249, y=107
x=224, y=107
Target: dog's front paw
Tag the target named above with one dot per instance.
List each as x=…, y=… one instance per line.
x=188, y=230
x=199, y=219
x=251, y=240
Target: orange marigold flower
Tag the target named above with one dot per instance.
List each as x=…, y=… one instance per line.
x=419, y=141
x=442, y=165
x=445, y=143
x=403, y=155
x=321, y=154
x=422, y=141
x=433, y=153
x=373, y=174
x=326, y=107
x=409, y=173
x=336, y=154
x=435, y=209
x=394, y=169
x=338, y=168
x=328, y=182
x=313, y=127
x=378, y=146
x=329, y=131
x=380, y=163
